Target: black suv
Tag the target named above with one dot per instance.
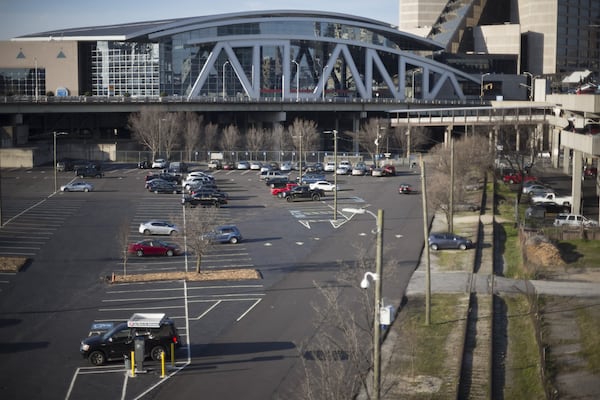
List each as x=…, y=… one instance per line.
x=88, y=172
x=118, y=342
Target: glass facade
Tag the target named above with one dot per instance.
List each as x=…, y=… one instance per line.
x=183, y=56
x=125, y=68
x=22, y=81
x=578, y=35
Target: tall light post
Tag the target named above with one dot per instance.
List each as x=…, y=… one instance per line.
x=376, y=277
x=224, y=65
x=335, y=190
x=55, y=169
x=481, y=86
x=297, y=80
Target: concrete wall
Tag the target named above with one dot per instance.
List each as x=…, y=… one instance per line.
x=58, y=57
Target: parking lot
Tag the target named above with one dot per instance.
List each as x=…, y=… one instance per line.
x=73, y=242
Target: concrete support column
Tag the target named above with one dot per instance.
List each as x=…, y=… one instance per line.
x=566, y=167
x=447, y=135
x=576, y=180
x=555, y=147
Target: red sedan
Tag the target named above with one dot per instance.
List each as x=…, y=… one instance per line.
x=152, y=247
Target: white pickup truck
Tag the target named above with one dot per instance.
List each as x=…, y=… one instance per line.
x=553, y=198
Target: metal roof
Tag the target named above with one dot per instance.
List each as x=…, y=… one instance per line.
x=151, y=30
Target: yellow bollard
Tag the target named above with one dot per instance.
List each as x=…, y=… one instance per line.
x=162, y=364
x=172, y=354
x=132, y=364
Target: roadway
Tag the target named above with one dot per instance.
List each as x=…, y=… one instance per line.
x=241, y=339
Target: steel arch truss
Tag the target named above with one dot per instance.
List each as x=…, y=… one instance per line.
x=436, y=80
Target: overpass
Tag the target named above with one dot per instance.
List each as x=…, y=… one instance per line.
x=547, y=117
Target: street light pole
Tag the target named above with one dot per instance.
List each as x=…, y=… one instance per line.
x=335, y=194
x=377, y=277
x=224, y=64
x=297, y=80
x=55, y=169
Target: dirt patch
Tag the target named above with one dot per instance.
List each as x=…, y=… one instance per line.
x=543, y=254
x=12, y=264
x=225, y=275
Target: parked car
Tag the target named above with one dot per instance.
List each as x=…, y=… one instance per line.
x=204, y=200
x=77, y=187
x=154, y=247
x=224, y=234
x=329, y=166
x=155, y=227
x=535, y=212
x=285, y=166
x=438, y=241
x=326, y=186
x=159, y=163
x=538, y=188
x=574, y=220
x=389, y=170
x=215, y=164
x=280, y=191
x=304, y=193
x=65, y=164
x=161, y=186
x=144, y=164
x=255, y=165
x=242, y=165
x=88, y=172
x=553, y=208
x=307, y=179
x=377, y=172
x=343, y=170
x=517, y=177
x=359, y=169
x=158, y=331
x=405, y=188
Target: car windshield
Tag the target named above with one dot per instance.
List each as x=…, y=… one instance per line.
x=115, y=331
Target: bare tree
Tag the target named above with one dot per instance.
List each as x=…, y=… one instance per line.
x=280, y=141
x=410, y=138
x=255, y=139
x=304, y=135
x=338, y=359
x=191, y=132
x=123, y=239
x=230, y=138
x=171, y=128
x=199, y=221
x=210, y=142
x=145, y=128
x=473, y=158
x=371, y=136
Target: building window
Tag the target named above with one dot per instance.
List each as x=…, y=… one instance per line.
x=22, y=81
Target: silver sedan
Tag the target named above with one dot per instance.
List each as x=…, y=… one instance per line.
x=155, y=227
x=77, y=187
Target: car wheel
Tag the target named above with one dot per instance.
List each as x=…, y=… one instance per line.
x=217, y=204
x=156, y=352
x=316, y=197
x=86, y=190
x=65, y=190
x=434, y=246
x=146, y=232
x=169, y=253
x=173, y=233
x=97, y=358
x=156, y=191
x=233, y=240
x=139, y=253
x=462, y=246
x=288, y=199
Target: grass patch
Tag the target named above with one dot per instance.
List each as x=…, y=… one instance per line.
x=429, y=353
x=228, y=275
x=523, y=379
x=580, y=253
x=589, y=326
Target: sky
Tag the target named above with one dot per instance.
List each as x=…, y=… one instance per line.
x=21, y=17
